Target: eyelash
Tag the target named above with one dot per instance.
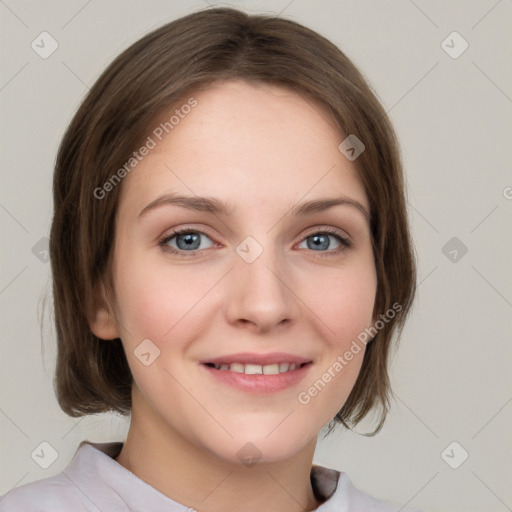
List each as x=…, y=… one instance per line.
x=345, y=242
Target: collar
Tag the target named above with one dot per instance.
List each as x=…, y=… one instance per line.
x=93, y=461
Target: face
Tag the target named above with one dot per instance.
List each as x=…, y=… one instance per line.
x=211, y=318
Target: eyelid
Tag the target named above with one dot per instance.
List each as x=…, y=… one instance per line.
x=163, y=241
x=329, y=230
x=344, y=239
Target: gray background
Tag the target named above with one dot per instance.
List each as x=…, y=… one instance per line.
x=453, y=116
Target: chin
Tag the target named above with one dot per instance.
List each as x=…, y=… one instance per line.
x=255, y=445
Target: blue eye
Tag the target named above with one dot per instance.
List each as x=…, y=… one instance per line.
x=321, y=242
x=185, y=240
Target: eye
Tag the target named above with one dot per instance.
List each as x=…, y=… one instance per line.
x=322, y=241
x=185, y=240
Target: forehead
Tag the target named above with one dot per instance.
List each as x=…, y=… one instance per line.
x=253, y=143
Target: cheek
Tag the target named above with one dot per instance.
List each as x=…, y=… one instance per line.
x=345, y=311
x=156, y=300
x=344, y=301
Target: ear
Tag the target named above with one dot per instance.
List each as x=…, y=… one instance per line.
x=101, y=318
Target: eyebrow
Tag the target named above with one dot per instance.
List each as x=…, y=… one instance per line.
x=213, y=205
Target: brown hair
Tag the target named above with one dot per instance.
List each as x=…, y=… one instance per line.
x=148, y=78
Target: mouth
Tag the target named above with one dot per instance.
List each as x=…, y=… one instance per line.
x=258, y=373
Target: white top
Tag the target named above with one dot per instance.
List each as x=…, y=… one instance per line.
x=93, y=481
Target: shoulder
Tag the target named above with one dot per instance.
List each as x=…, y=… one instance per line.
x=337, y=492
x=53, y=494
x=84, y=485
x=359, y=500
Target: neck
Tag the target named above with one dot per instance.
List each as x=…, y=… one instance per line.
x=197, y=478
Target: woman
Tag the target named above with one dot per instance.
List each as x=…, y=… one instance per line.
x=231, y=260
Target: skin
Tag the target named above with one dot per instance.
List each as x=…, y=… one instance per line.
x=262, y=149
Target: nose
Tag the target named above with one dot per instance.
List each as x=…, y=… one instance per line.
x=260, y=294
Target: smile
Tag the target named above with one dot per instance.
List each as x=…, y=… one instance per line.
x=257, y=373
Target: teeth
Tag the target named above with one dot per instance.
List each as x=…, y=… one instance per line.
x=271, y=369
x=257, y=369
x=237, y=367
x=253, y=369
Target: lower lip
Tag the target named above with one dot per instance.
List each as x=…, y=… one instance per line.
x=259, y=383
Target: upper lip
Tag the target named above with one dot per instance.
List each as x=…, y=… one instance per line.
x=261, y=359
